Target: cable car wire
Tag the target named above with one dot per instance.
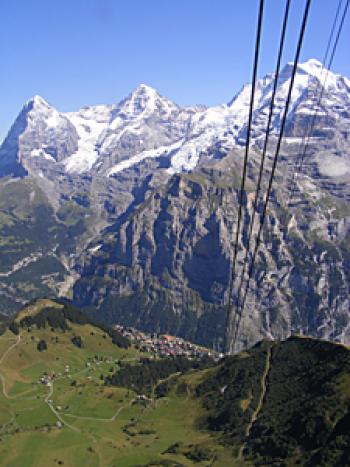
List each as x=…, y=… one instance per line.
x=229, y=317
x=268, y=132
x=274, y=165
x=310, y=128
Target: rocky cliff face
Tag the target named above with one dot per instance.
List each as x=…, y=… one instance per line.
x=166, y=268
x=143, y=201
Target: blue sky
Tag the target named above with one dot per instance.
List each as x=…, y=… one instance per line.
x=85, y=52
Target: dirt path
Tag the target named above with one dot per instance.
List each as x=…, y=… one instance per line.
x=54, y=411
x=18, y=340
x=4, y=355
x=46, y=400
x=12, y=419
x=3, y=380
x=96, y=419
x=160, y=381
x=257, y=411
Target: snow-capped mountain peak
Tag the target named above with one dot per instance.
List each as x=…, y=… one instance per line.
x=309, y=77
x=108, y=139
x=37, y=101
x=145, y=90
x=312, y=66
x=144, y=100
x=312, y=71
x=37, y=109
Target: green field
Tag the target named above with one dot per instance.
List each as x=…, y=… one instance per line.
x=76, y=393
x=78, y=420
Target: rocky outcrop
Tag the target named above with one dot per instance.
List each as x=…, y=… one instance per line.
x=167, y=266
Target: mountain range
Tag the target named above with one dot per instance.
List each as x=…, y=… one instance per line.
x=130, y=209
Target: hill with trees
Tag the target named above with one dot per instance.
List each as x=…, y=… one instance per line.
x=70, y=396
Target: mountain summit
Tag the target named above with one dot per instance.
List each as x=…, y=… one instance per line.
x=142, y=99
x=99, y=138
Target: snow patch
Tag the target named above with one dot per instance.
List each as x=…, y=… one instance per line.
x=95, y=248
x=89, y=123
x=151, y=153
x=41, y=153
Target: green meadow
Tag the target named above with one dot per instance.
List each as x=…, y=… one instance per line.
x=79, y=420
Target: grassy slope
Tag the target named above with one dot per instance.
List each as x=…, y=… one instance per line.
x=102, y=424
x=276, y=404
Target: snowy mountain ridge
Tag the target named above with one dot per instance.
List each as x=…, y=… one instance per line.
x=106, y=139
